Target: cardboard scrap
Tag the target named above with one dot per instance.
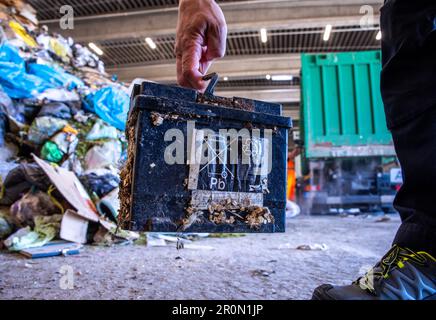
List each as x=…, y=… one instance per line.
x=75, y=222
x=74, y=227
x=71, y=189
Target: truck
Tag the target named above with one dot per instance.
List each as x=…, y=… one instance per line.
x=348, y=158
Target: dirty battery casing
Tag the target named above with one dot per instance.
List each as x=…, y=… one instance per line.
x=169, y=185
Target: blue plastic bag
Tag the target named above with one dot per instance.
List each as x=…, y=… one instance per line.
x=56, y=76
x=111, y=104
x=15, y=80
x=21, y=82
x=10, y=53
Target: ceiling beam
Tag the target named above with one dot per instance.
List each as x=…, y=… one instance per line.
x=240, y=16
x=231, y=67
x=270, y=95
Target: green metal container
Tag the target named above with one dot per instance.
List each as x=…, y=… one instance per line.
x=342, y=110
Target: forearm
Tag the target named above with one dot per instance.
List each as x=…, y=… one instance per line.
x=201, y=38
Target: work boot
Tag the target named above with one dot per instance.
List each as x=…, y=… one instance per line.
x=401, y=275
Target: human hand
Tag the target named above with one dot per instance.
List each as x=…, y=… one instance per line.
x=201, y=38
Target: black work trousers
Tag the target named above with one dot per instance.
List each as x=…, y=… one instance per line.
x=408, y=86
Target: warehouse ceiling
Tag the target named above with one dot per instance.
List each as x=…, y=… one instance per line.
x=281, y=41
x=48, y=9
x=119, y=28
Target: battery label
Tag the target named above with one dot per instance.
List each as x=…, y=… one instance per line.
x=229, y=161
x=202, y=198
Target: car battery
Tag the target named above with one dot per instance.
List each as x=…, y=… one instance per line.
x=202, y=163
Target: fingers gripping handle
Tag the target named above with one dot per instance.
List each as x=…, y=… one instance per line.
x=213, y=77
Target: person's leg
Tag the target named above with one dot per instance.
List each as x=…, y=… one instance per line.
x=408, y=87
x=415, y=144
x=408, y=83
x=412, y=258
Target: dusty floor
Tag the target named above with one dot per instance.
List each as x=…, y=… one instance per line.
x=251, y=267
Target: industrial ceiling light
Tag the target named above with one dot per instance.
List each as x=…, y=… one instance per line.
x=226, y=78
x=327, y=32
x=282, y=77
x=268, y=77
x=263, y=35
x=379, y=35
x=150, y=43
x=96, y=49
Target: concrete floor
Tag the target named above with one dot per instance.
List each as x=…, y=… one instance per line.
x=265, y=266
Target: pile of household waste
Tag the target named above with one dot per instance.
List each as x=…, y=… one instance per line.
x=62, y=121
